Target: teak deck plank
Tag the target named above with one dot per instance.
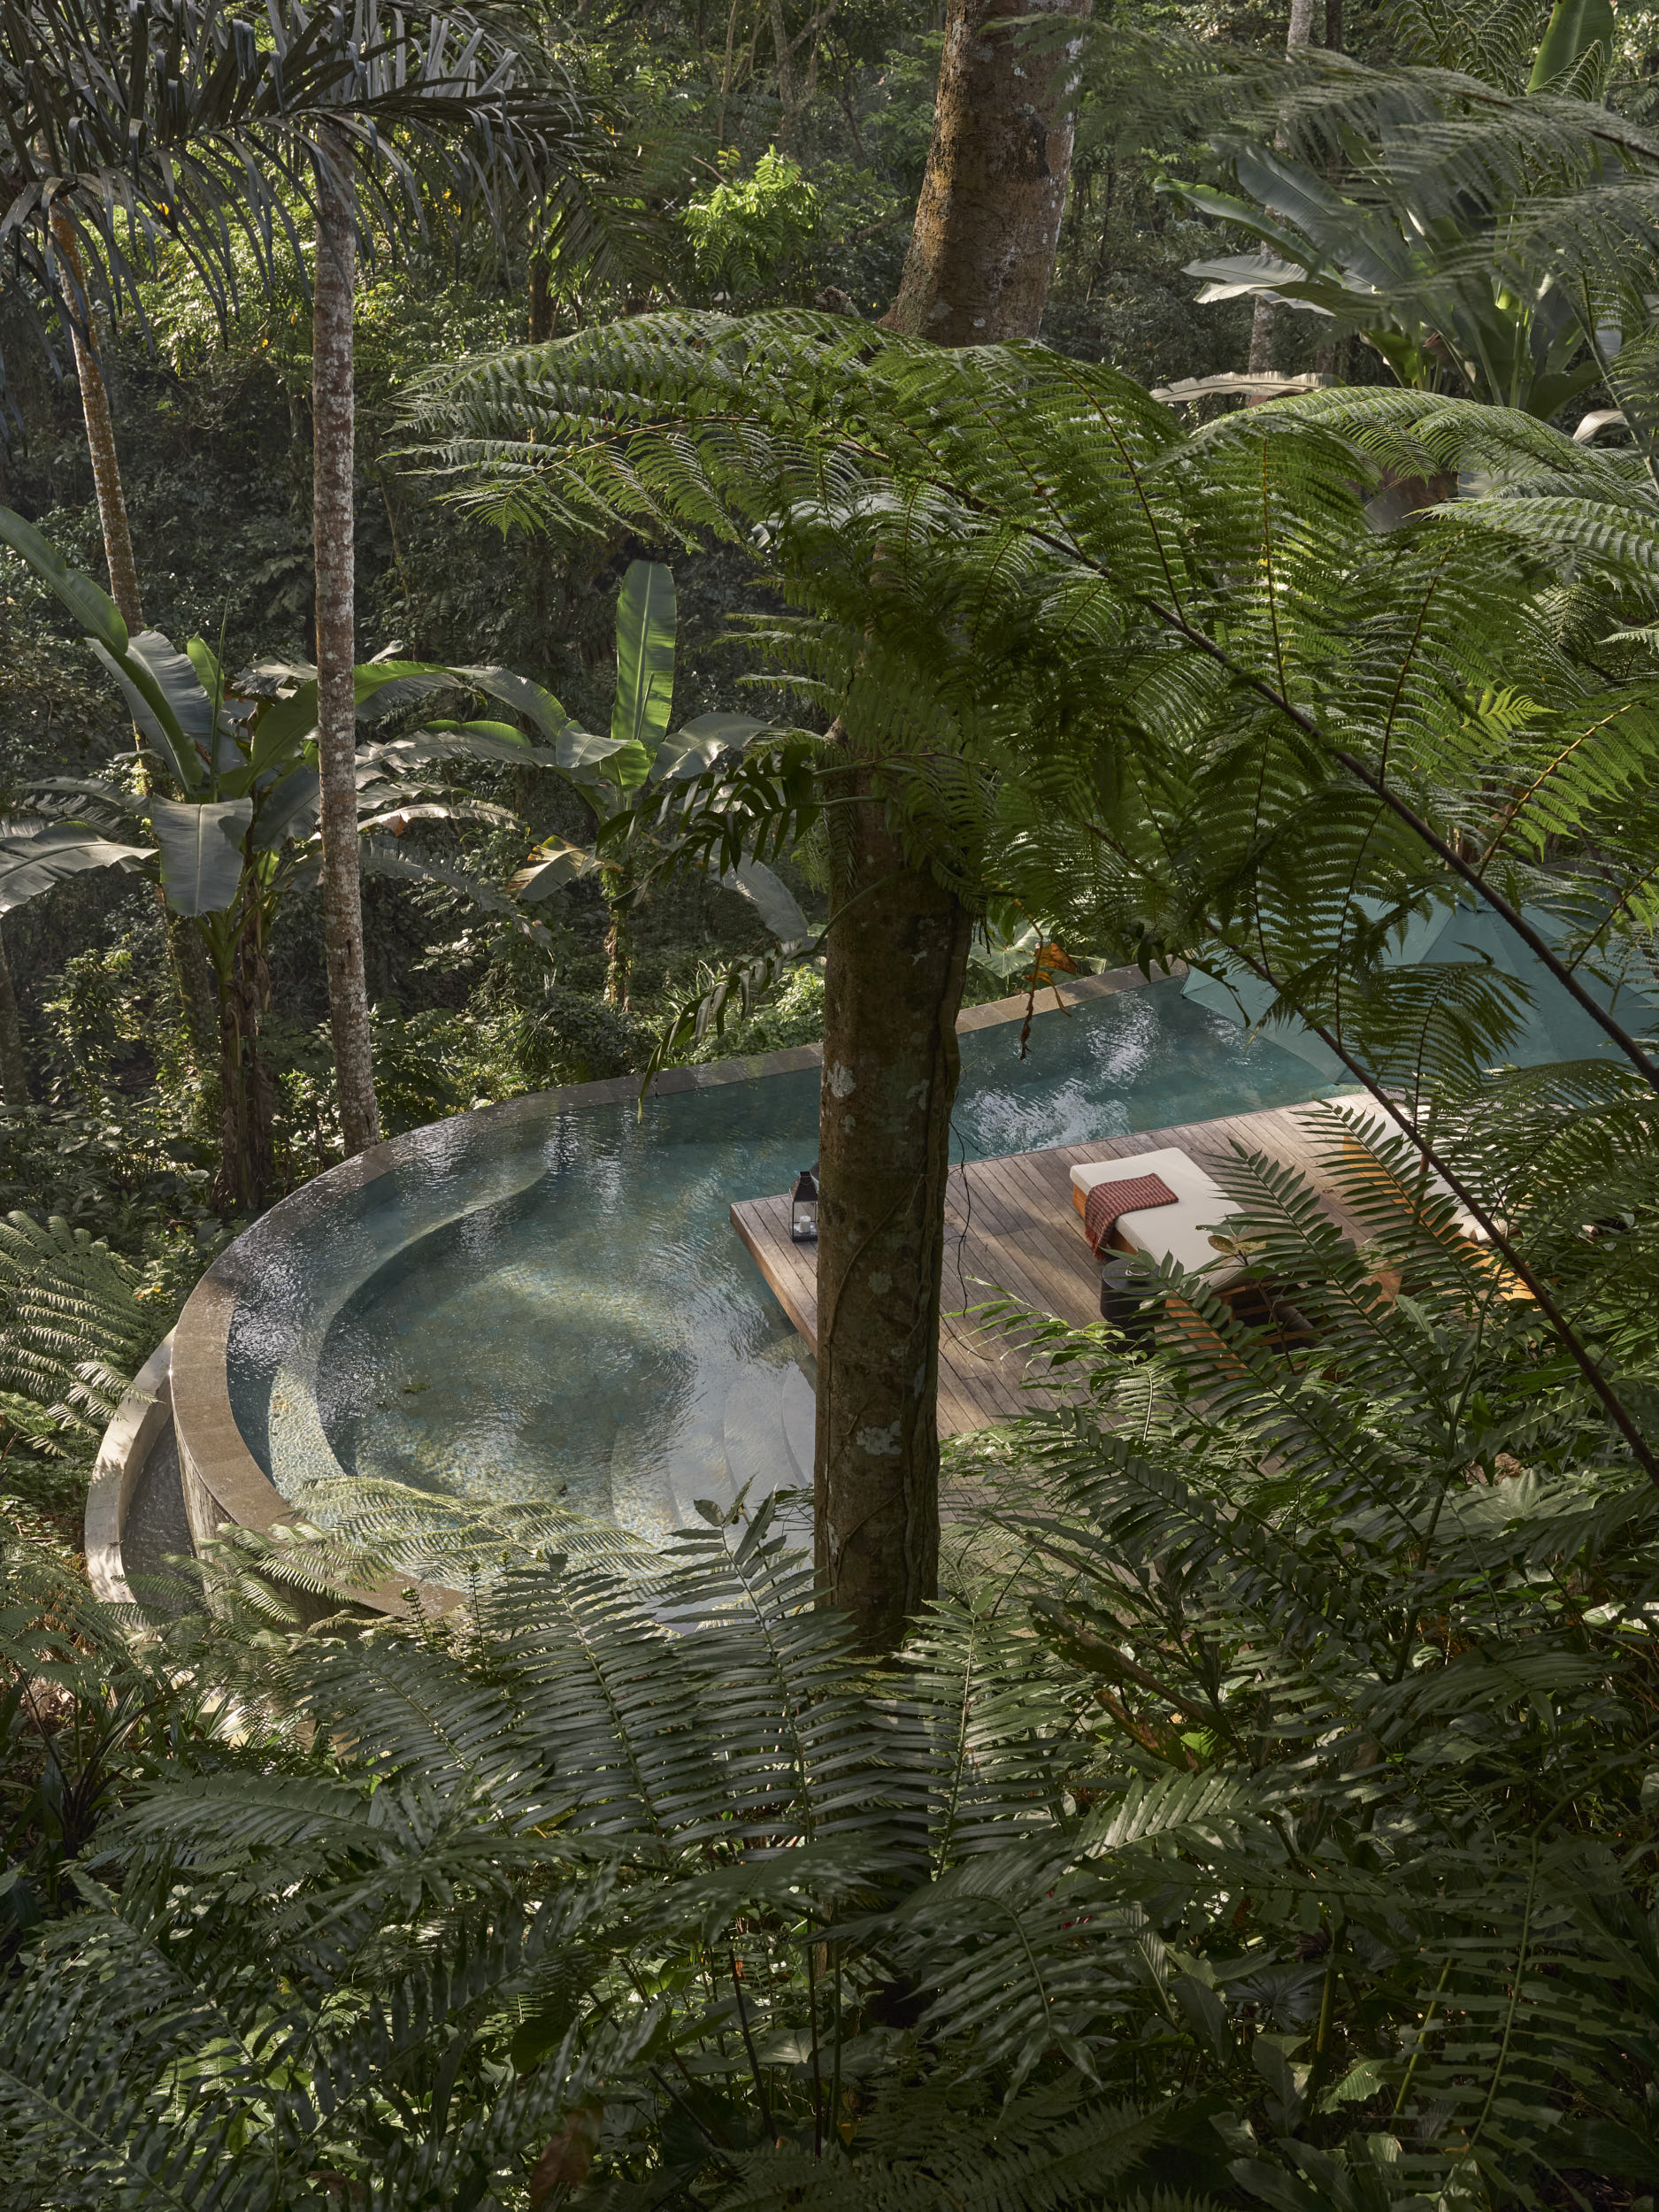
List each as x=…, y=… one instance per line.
x=1010, y=1225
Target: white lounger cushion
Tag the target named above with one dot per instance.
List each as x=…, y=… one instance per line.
x=1180, y=1232
x=1375, y=1126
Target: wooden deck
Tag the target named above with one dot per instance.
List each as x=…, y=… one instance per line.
x=1012, y=1231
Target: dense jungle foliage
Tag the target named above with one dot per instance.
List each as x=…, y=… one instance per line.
x=1263, y=1815
x=1265, y=1811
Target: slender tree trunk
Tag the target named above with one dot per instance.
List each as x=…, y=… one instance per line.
x=192, y=976
x=786, y=79
x=540, y=299
x=618, y=938
x=1325, y=357
x=244, y=1183
x=100, y=421
x=980, y=261
x=1265, y=320
x=333, y=525
x=726, y=74
x=982, y=251
x=14, y=1064
x=897, y=951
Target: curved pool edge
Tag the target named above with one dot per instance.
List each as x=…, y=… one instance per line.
x=222, y=1480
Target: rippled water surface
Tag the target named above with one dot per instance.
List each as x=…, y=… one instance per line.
x=567, y=1312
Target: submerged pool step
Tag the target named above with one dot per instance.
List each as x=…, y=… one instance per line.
x=769, y=1429
x=800, y=1422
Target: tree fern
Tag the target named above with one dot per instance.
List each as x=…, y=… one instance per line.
x=72, y=1333
x=1147, y=686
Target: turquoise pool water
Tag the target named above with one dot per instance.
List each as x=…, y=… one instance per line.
x=561, y=1308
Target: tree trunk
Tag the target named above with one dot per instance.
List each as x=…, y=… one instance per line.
x=332, y=527
x=786, y=79
x=95, y=408
x=193, y=978
x=191, y=975
x=980, y=260
x=244, y=1183
x=14, y=1064
x=542, y=319
x=618, y=938
x=896, y=954
x=1265, y=320
x=988, y=221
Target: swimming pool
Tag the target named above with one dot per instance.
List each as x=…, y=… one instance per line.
x=558, y=1308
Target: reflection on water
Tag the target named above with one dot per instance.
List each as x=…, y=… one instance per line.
x=1147, y=1059
x=582, y=1340
x=574, y=1316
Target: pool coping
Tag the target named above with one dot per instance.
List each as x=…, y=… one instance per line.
x=223, y=1482
x=140, y=1420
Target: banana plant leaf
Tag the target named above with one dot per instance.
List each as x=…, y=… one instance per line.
x=1261, y=276
x=406, y=811
x=93, y=608
x=470, y=740
x=770, y=898
x=1368, y=245
x=382, y=857
x=699, y=744
x=1426, y=281
x=284, y=725
x=647, y=624
x=591, y=758
x=291, y=809
x=1574, y=27
x=555, y=861
x=201, y=851
x=151, y=714
x=33, y=861
x=578, y=753
x=535, y=704
x=175, y=677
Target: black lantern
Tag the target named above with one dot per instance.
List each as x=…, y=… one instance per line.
x=804, y=1208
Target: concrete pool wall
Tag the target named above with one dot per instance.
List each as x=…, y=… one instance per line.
x=222, y=1480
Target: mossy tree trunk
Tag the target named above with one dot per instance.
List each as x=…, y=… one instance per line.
x=617, y=884
x=896, y=956
x=333, y=432
x=14, y=1064
x=977, y=272
x=100, y=421
x=988, y=223
x=243, y=1182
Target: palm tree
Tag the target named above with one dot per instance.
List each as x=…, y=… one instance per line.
x=199, y=125
x=464, y=108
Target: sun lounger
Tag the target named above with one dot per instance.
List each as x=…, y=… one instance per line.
x=1190, y=1230
x=1179, y=1232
